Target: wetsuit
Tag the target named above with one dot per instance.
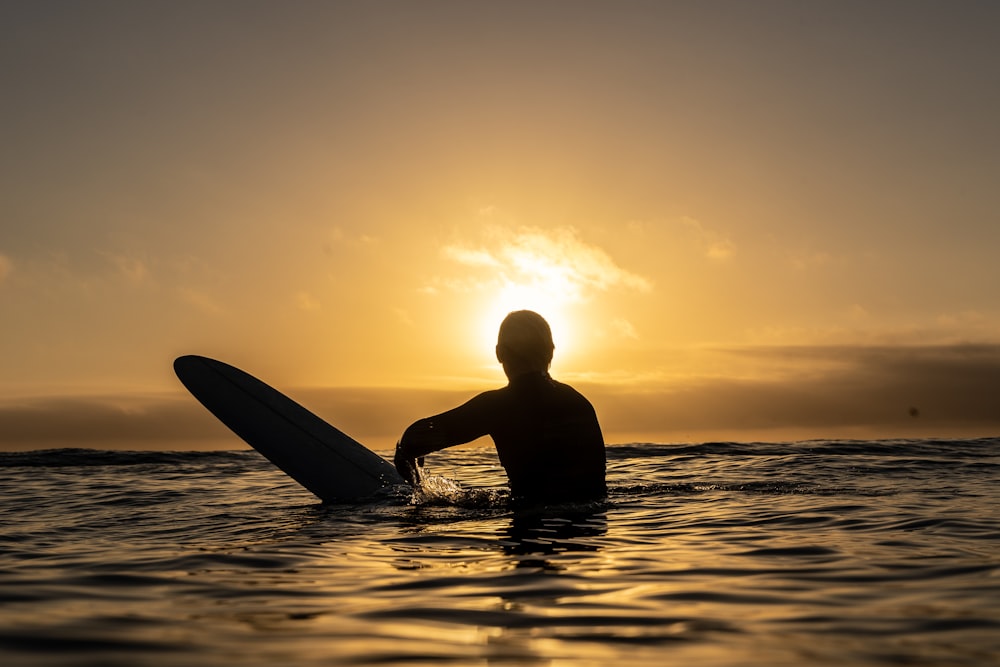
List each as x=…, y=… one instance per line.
x=546, y=434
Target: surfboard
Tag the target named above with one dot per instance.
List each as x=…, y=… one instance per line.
x=320, y=457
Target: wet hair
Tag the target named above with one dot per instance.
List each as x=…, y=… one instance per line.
x=525, y=340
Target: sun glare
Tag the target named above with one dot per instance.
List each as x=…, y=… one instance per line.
x=552, y=272
x=511, y=296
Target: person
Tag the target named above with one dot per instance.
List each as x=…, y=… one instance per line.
x=546, y=433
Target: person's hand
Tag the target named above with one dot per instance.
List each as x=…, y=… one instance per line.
x=408, y=467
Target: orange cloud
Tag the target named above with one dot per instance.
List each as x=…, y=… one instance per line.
x=557, y=261
x=715, y=245
x=821, y=392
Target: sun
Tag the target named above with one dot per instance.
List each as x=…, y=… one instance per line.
x=550, y=271
x=554, y=306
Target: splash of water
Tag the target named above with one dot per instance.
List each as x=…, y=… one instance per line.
x=435, y=490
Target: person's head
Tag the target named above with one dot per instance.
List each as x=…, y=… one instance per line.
x=524, y=344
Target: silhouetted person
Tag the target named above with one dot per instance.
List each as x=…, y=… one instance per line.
x=546, y=433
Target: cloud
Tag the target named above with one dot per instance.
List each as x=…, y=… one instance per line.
x=105, y=422
x=337, y=240
x=820, y=392
x=624, y=328
x=200, y=300
x=177, y=421
x=6, y=267
x=966, y=320
x=307, y=302
x=403, y=317
x=472, y=257
x=933, y=391
x=132, y=269
x=805, y=260
x=555, y=261
x=715, y=245
x=858, y=312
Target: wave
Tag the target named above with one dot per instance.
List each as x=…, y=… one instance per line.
x=81, y=457
x=923, y=448
x=973, y=447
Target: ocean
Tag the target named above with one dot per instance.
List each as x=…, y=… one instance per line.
x=802, y=553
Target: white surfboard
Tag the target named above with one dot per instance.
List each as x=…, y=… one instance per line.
x=318, y=456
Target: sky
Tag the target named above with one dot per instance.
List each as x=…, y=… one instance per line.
x=744, y=221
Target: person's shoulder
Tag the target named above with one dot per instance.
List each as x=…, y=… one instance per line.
x=568, y=390
x=489, y=396
x=562, y=385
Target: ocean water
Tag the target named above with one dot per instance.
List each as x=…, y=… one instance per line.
x=807, y=553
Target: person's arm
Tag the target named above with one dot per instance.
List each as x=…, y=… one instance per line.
x=455, y=427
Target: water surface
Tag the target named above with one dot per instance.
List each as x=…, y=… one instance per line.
x=809, y=553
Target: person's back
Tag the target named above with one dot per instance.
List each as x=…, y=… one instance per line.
x=550, y=442
x=546, y=433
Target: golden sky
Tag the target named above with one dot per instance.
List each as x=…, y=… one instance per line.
x=743, y=220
